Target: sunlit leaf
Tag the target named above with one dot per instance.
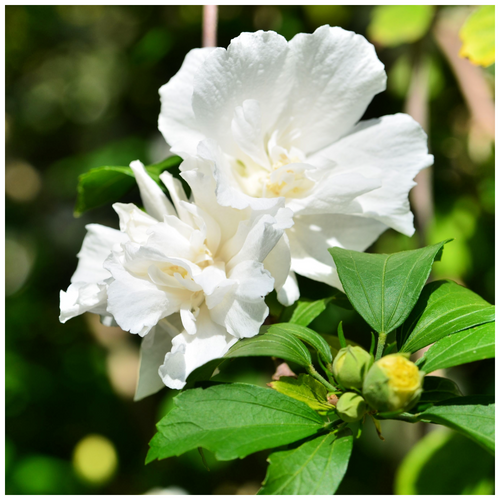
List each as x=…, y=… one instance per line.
x=317, y=467
x=278, y=344
x=392, y=25
x=384, y=288
x=232, y=420
x=444, y=308
x=306, y=389
x=478, y=36
x=307, y=335
x=463, y=347
x=476, y=421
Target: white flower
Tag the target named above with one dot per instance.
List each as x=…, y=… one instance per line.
x=280, y=119
x=194, y=272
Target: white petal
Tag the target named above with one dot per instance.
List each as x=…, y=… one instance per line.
x=247, y=131
x=278, y=263
x=154, y=346
x=312, y=235
x=96, y=247
x=290, y=292
x=192, y=351
x=336, y=73
x=251, y=68
x=133, y=221
x=177, y=122
x=392, y=150
x=136, y=304
x=243, y=309
x=256, y=237
x=227, y=188
x=198, y=174
x=82, y=297
x=177, y=194
x=155, y=202
x=334, y=194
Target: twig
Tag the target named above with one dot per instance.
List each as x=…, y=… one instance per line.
x=209, y=26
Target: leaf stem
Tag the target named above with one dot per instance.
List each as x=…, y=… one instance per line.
x=312, y=371
x=382, y=337
x=327, y=372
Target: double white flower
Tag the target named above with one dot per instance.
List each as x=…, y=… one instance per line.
x=193, y=272
x=280, y=120
x=262, y=125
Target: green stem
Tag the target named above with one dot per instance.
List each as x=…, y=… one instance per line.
x=317, y=376
x=382, y=337
x=327, y=372
x=405, y=417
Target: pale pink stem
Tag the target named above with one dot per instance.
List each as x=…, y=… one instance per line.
x=210, y=26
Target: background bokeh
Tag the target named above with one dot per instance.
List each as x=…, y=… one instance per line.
x=82, y=91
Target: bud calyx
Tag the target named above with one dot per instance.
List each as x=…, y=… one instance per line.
x=351, y=365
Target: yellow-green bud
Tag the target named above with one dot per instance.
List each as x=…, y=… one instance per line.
x=351, y=365
x=393, y=383
x=351, y=407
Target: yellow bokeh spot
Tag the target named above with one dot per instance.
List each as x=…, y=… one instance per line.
x=95, y=459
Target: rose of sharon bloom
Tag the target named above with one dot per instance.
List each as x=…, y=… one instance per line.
x=281, y=120
x=190, y=279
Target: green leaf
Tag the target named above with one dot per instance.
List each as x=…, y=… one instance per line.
x=334, y=343
x=279, y=344
x=307, y=335
x=306, y=389
x=476, y=421
x=460, y=348
x=437, y=389
x=469, y=469
x=384, y=288
x=306, y=311
x=104, y=185
x=232, y=421
x=478, y=36
x=392, y=25
x=443, y=308
x=315, y=468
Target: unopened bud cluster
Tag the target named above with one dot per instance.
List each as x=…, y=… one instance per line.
x=391, y=384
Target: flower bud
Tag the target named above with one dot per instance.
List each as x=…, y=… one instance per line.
x=351, y=407
x=393, y=383
x=351, y=365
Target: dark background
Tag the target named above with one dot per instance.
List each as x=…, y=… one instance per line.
x=82, y=91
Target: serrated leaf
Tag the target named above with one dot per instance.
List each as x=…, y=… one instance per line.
x=232, y=421
x=305, y=334
x=437, y=389
x=477, y=421
x=104, y=185
x=384, y=288
x=317, y=467
x=272, y=343
x=478, y=36
x=392, y=25
x=306, y=389
x=460, y=348
x=444, y=308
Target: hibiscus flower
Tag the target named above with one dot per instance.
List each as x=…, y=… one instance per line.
x=188, y=276
x=280, y=121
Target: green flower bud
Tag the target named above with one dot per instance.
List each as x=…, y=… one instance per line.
x=393, y=383
x=351, y=407
x=351, y=365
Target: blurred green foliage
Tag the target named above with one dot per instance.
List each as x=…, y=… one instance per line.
x=81, y=92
